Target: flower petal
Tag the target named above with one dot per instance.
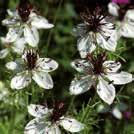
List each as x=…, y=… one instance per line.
x=12, y=35
x=82, y=42
x=17, y=65
x=112, y=66
x=35, y=126
x=21, y=80
x=19, y=45
x=120, y=78
x=86, y=45
x=82, y=66
x=11, y=22
x=113, y=9
x=129, y=17
x=79, y=86
x=40, y=22
x=4, y=53
x=116, y=113
x=46, y=64
x=127, y=30
x=12, y=13
x=80, y=30
x=106, y=91
x=43, y=79
x=127, y=26
x=13, y=19
x=31, y=35
x=38, y=126
x=11, y=65
x=108, y=40
x=31, y=127
x=71, y=125
x=38, y=110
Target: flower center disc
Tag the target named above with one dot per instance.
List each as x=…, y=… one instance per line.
x=24, y=9
x=57, y=112
x=31, y=57
x=97, y=62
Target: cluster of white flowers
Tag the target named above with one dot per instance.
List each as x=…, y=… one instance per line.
x=95, y=69
x=23, y=24
x=23, y=38
x=96, y=32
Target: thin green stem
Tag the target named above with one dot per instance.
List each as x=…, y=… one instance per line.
x=71, y=103
x=50, y=33
x=12, y=122
x=86, y=112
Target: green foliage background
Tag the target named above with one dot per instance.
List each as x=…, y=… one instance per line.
x=59, y=44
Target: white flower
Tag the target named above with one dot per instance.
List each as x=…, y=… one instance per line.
x=115, y=111
x=32, y=67
x=17, y=47
x=125, y=20
x=100, y=74
x=47, y=121
x=95, y=30
x=113, y=9
x=6, y=97
x=3, y=92
x=24, y=22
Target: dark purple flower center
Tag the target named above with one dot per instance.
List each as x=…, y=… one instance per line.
x=93, y=19
x=31, y=57
x=24, y=9
x=58, y=111
x=97, y=62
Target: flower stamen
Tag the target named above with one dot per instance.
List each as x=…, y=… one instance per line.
x=30, y=57
x=57, y=112
x=97, y=62
x=95, y=21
